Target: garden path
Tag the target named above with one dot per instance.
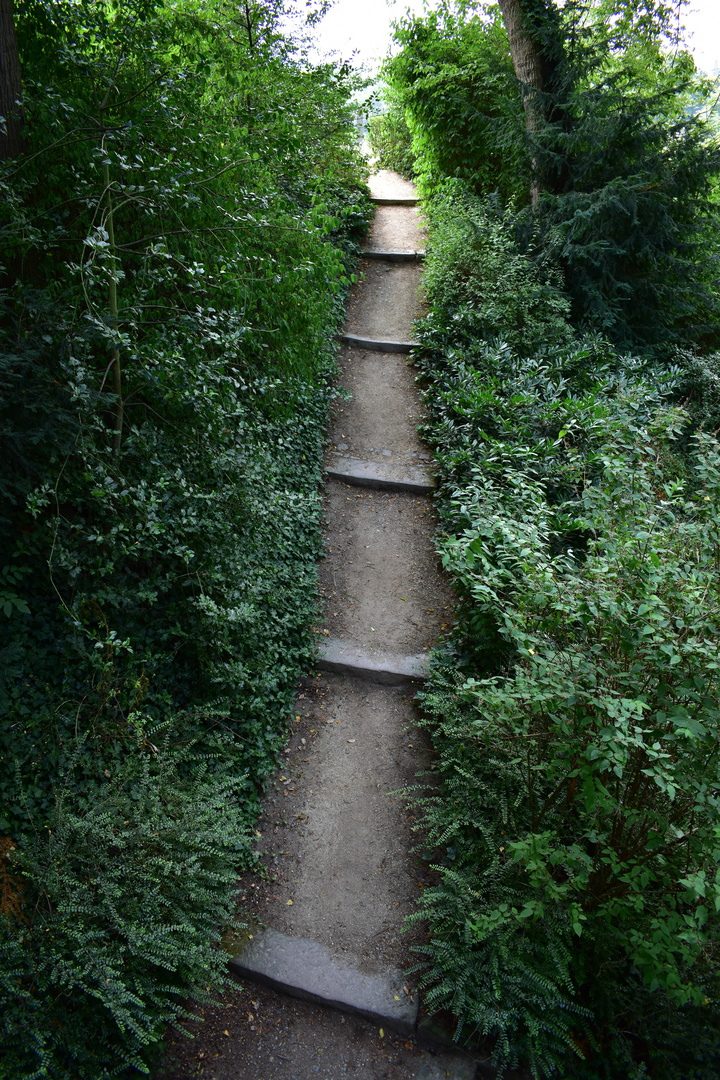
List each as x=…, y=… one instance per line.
x=337, y=843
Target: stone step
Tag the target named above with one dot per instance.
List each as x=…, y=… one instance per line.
x=307, y=970
x=375, y=345
x=390, y=669
x=395, y=200
x=381, y=475
x=393, y=256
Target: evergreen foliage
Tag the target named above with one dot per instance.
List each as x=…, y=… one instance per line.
x=575, y=708
x=478, y=278
x=624, y=153
x=128, y=898
x=177, y=242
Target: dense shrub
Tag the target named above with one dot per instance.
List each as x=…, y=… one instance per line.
x=177, y=242
x=120, y=907
x=623, y=153
x=575, y=707
x=478, y=277
x=391, y=142
x=454, y=82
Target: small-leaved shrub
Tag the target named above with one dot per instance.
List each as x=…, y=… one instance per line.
x=177, y=241
x=575, y=709
x=122, y=905
x=476, y=276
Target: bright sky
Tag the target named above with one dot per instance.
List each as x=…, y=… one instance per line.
x=363, y=27
x=703, y=25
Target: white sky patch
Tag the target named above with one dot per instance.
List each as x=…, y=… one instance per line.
x=702, y=22
x=361, y=30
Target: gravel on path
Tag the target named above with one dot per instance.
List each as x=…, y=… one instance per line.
x=256, y=1034
x=397, y=228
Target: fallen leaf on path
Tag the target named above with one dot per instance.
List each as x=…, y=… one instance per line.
x=289, y=903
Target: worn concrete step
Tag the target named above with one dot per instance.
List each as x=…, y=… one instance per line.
x=381, y=475
x=307, y=970
x=391, y=669
x=376, y=345
x=393, y=256
x=395, y=200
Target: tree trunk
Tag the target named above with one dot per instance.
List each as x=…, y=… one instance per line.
x=530, y=67
x=11, y=144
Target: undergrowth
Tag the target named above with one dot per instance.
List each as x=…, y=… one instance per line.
x=575, y=708
x=177, y=240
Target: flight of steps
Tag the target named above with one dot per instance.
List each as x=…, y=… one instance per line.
x=318, y=943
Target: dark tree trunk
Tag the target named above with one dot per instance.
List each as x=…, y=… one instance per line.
x=534, y=63
x=11, y=144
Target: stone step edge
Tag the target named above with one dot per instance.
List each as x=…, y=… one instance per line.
x=395, y=200
x=389, y=669
x=393, y=256
x=381, y=476
x=376, y=345
x=306, y=969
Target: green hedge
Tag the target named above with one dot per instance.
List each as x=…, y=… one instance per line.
x=575, y=708
x=185, y=220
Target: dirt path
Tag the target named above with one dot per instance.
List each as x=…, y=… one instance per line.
x=336, y=841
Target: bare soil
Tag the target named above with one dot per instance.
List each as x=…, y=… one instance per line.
x=385, y=303
x=256, y=1034
x=382, y=584
x=397, y=228
x=382, y=389
x=336, y=836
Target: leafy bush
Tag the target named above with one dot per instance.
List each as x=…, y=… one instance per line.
x=454, y=82
x=477, y=275
x=575, y=708
x=702, y=386
x=604, y=732
x=622, y=153
x=391, y=142
x=119, y=913
x=177, y=243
